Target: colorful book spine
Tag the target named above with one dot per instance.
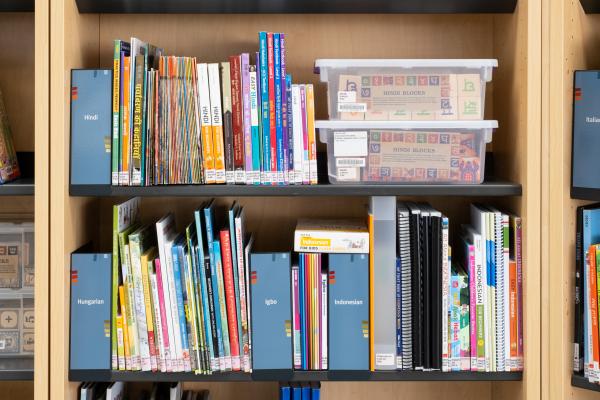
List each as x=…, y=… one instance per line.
x=278, y=107
x=163, y=316
x=230, y=299
x=227, y=121
x=265, y=112
x=506, y=289
x=284, y=109
x=288, y=131
x=518, y=253
x=222, y=305
x=177, y=255
x=208, y=160
x=243, y=298
x=297, y=351
x=217, y=122
x=217, y=343
x=173, y=309
x=158, y=322
x=323, y=324
x=312, y=141
x=446, y=274
x=237, y=112
x=232, y=212
x=272, y=111
x=148, y=309
x=305, y=142
x=137, y=112
x=247, y=125
x=120, y=344
x=594, y=360
x=254, y=126
x=454, y=353
x=298, y=148
x=125, y=142
x=514, y=355
x=472, y=305
x=115, y=114
x=126, y=349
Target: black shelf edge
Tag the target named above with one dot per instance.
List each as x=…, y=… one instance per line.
x=297, y=6
x=291, y=376
x=591, y=6
x=582, y=382
x=494, y=188
x=16, y=369
x=17, y=5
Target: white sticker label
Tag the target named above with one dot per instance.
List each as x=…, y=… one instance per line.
x=352, y=107
x=384, y=359
x=347, y=174
x=350, y=162
x=350, y=144
x=346, y=97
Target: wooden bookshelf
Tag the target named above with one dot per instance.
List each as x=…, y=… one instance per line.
x=297, y=6
x=82, y=38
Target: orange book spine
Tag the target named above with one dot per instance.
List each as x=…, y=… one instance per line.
x=124, y=176
x=371, y=295
x=514, y=351
x=593, y=366
x=125, y=329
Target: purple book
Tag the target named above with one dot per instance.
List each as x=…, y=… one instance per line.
x=246, y=114
x=284, y=111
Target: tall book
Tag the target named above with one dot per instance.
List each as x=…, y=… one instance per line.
x=403, y=253
x=217, y=121
x=227, y=121
x=237, y=110
x=124, y=178
x=296, y=128
x=138, y=116
x=247, y=128
x=278, y=105
x=312, y=141
x=230, y=299
x=305, y=141
x=147, y=257
x=284, y=108
x=208, y=153
x=265, y=109
x=237, y=284
x=222, y=303
x=254, y=126
x=288, y=129
x=272, y=110
x=119, y=47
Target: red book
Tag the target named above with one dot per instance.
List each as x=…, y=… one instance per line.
x=234, y=338
x=273, y=141
x=237, y=117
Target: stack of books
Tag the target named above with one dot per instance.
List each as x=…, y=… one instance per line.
x=177, y=120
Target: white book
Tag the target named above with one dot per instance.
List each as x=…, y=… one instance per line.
x=324, y=322
x=177, y=354
x=509, y=363
x=239, y=251
x=158, y=331
x=165, y=228
x=445, y=294
x=247, y=249
x=480, y=284
x=304, y=125
x=206, y=124
x=297, y=135
x=175, y=391
x=254, y=176
x=491, y=260
x=116, y=391
x=216, y=115
x=134, y=341
x=140, y=304
x=496, y=219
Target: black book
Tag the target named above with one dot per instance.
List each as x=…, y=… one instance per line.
x=416, y=286
x=435, y=274
x=578, y=332
x=425, y=242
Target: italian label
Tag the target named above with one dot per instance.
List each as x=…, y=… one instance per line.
x=346, y=97
x=385, y=359
x=350, y=162
x=350, y=144
x=352, y=107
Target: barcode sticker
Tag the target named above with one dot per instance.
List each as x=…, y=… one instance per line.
x=352, y=107
x=350, y=162
x=346, y=97
x=350, y=144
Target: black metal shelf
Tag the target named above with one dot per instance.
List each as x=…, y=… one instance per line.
x=582, y=382
x=297, y=6
x=591, y=6
x=16, y=369
x=17, y=5
x=19, y=187
x=291, y=376
x=492, y=188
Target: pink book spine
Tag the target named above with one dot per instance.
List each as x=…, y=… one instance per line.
x=319, y=287
x=305, y=158
x=296, y=320
x=246, y=115
x=472, y=311
x=163, y=316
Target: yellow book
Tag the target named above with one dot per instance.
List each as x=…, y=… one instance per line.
x=208, y=160
x=371, y=296
x=148, y=257
x=126, y=350
x=217, y=122
x=312, y=142
x=120, y=343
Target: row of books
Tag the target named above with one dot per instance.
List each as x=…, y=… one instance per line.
x=178, y=121
x=461, y=313
x=118, y=391
x=586, y=349
x=300, y=391
x=180, y=300
x=9, y=166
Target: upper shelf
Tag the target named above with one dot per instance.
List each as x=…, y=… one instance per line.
x=296, y=6
x=591, y=6
x=17, y=5
x=491, y=188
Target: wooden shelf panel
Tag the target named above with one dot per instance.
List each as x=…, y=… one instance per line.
x=16, y=369
x=297, y=6
x=486, y=189
x=291, y=376
x=17, y=5
x=582, y=382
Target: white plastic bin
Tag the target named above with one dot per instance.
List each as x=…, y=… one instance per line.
x=406, y=151
x=405, y=89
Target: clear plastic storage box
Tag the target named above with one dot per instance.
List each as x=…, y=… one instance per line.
x=403, y=89
x=406, y=151
x=16, y=323
x=16, y=255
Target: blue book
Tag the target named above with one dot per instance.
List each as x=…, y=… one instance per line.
x=90, y=311
x=178, y=260
x=209, y=222
x=91, y=124
x=202, y=257
x=315, y=391
x=270, y=279
x=296, y=392
x=305, y=391
x=289, y=128
x=349, y=312
x=284, y=392
x=278, y=113
x=264, y=101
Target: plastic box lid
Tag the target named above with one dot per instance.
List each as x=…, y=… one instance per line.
x=486, y=64
x=487, y=125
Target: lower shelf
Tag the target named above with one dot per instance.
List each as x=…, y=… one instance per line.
x=291, y=376
x=582, y=382
x=16, y=369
